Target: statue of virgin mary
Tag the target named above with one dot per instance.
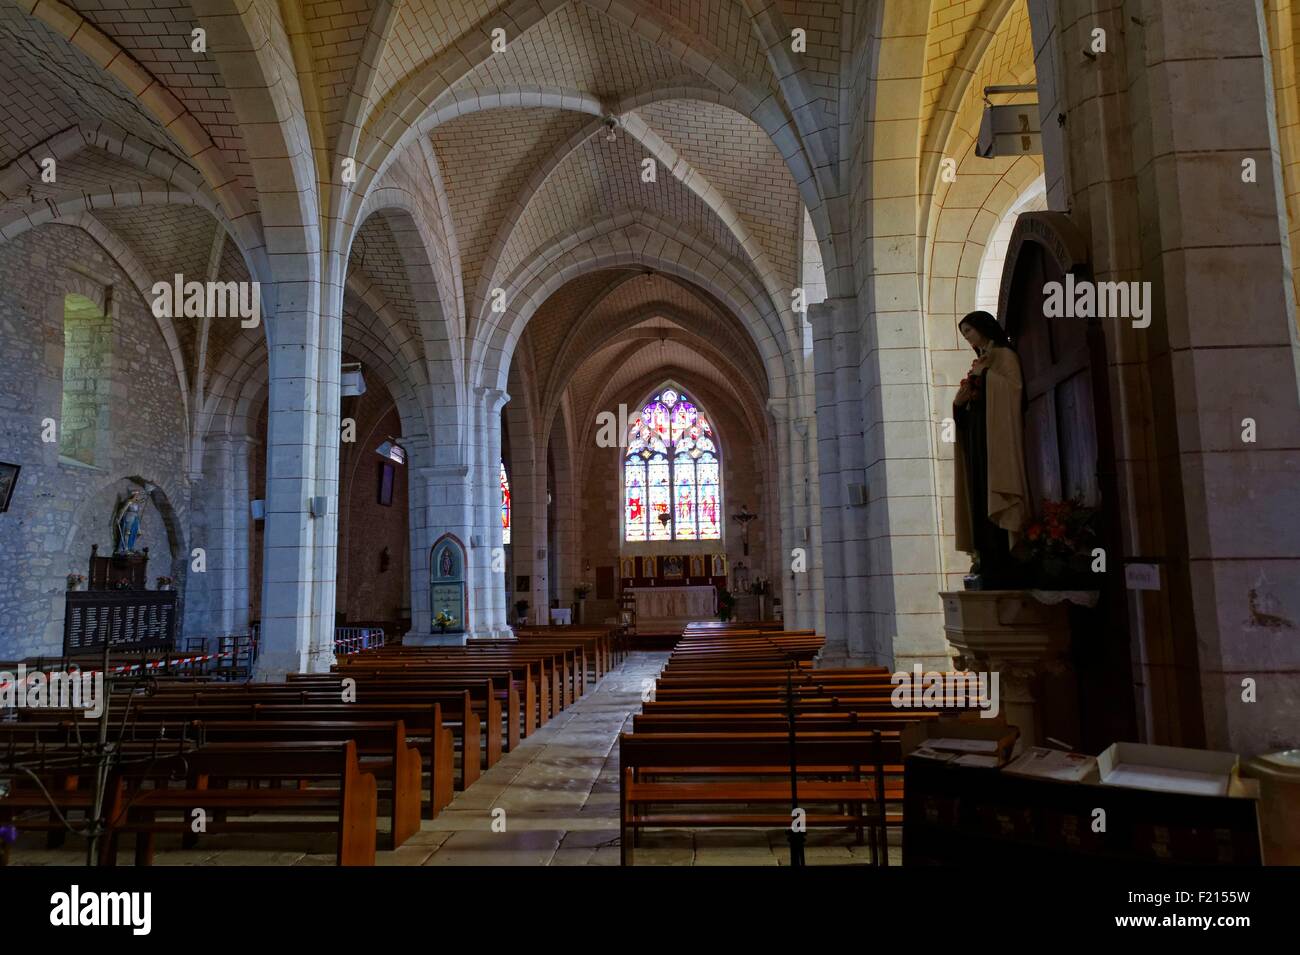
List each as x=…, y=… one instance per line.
x=126, y=521
x=992, y=491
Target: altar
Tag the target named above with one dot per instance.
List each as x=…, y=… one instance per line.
x=669, y=609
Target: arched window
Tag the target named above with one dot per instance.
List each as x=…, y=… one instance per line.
x=87, y=369
x=671, y=477
x=505, y=505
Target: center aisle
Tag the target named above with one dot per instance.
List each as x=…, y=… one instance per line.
x=559, y=793
x=558, y=790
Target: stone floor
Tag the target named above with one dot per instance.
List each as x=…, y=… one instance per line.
x=556, y=797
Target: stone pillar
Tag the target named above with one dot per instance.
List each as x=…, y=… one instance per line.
x=209, y=595
x=529, y=533
x=807, y=426
x=487, y=553
x=797, y=474
x=1044, y=19
x=241, y=521
x=421, y=531
x=567, y=560
x=1217, y=251
x=447, y=507
x=302, y=415
x=327, y=462
x=840, y=466
x=784, y=536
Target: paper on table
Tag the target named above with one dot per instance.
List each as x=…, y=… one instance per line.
x=925, y=752
x=1166, y=780
x=977, y=759
x=963, y=745
x=1045, y=763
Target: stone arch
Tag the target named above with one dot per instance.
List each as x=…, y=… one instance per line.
x=616, y=242
x=625, y=328
x=154, y=98
x=163, y=498
x=439, y=370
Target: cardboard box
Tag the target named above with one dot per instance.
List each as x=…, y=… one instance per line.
x=991, y=739
x=1195, y=772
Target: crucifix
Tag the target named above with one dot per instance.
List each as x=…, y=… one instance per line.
x=743, y=519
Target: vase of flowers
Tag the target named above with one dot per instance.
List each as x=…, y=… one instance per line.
x=75, y=581
x=444, y=620
x=164, y=583
x=1057, y=547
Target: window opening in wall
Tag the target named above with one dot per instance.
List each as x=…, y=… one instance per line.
x=87, y=378
x=672, y=479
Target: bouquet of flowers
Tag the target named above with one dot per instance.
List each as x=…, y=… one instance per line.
x=75, y=581
x=164, y=583
x=1059, y=544
x=444, y=620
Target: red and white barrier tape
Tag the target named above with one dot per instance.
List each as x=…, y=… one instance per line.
x=132, y=667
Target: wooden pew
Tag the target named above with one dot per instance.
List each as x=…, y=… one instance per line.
x=350, y=807
x=856, y=802
x=382, y=748
x=424, y=718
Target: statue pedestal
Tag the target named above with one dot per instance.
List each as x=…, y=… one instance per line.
x=1027, y=643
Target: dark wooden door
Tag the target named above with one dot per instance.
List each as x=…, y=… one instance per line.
x=1060, y=424
x=1069, y=452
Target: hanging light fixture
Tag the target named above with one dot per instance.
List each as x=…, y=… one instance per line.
x=351, y=382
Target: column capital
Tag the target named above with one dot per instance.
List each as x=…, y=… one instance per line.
x=494, y=398
x=828, y=317
x=779, y=408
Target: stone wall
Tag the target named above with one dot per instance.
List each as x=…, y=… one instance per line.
x=62, y=506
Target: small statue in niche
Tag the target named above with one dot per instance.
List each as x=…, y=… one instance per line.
x=126, y=521
x=992, y=491
x=444, y=564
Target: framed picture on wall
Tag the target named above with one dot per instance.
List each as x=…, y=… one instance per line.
x=8, y=481
x=387, y=473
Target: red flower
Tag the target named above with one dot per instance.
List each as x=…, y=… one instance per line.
x=1057, y=532
x=1034, y=532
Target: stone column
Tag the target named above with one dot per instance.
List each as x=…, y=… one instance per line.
x=1217, y=251
x=241, y=520
x=841, y=465
x=487, y=550
x=816, y=619
x=529, y=533
x=447, y=507
x=327, y=463
x=785, y=536
x=421, y=531
x=208, y=595
x=290, y=606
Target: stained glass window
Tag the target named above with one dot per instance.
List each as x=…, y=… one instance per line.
x=671, y=479
x=505, y=505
